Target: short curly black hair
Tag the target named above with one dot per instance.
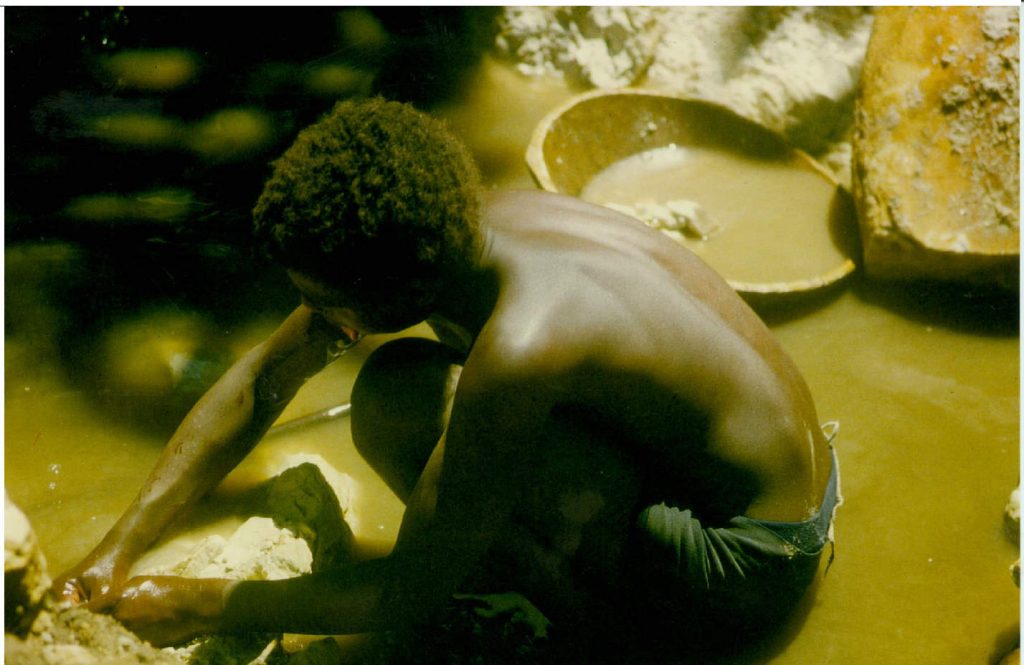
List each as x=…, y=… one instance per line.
x=377, y=200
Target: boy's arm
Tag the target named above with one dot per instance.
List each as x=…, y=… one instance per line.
x=460, y=504
x=212, y=439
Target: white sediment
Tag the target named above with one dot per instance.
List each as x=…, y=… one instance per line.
x=792, y=69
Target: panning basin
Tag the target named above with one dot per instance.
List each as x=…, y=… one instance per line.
x=779, y=221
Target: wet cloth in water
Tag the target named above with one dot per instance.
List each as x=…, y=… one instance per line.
x=747, y=573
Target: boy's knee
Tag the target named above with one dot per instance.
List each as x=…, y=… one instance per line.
x=401, y=390
x=410, y=365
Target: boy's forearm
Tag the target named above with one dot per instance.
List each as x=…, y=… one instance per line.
x=366, y=597
x=216, y=435
x=339, y=602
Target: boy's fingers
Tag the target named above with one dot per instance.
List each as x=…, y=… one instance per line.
x=72, y=590
x=473, y=600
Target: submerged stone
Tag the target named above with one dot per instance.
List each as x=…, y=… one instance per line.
x=160, y=353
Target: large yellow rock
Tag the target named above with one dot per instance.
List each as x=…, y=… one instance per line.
x=936, y=148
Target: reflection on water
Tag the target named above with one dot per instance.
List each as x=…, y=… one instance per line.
x=151, y=69
x=926, y=390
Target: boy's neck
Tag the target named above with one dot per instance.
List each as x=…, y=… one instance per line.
x=466, y=303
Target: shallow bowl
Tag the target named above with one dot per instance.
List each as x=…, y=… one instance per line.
x=592, y=131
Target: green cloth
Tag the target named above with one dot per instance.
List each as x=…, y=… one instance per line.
x=745, y=576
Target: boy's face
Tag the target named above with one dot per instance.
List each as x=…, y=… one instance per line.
x=364, y=311
x=325, y=301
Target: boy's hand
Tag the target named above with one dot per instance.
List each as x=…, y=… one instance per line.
x=511, y=604
x=95, y=582
x=171, y=610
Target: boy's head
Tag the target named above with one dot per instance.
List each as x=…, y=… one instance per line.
x=376, y=201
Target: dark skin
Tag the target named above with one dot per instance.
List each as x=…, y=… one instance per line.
x=596, y=355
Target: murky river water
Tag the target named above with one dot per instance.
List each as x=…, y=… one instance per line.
x=924, y=383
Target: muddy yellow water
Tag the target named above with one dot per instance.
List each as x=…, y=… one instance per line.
x=924, y=383
x=774, y=209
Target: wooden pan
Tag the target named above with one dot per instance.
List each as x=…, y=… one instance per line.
x=578, y=139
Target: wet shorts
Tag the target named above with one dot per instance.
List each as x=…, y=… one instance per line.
x=748, y=573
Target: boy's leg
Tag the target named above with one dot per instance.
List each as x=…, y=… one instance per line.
x=399, y=408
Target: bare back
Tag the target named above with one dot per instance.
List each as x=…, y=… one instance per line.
x=649, y=346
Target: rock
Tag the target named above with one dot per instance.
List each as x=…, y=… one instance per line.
x=75, y=636
x=936, y=145
x=301, y=528
x=257, y=550
x=1011, y=515
x=302, y=500
x=152, y=367
x=151, y=69
x=1011, y=521
x=68, y=654
x=231, y=134
x=25, y=577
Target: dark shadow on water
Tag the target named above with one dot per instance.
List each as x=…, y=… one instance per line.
x=967, y=308
x=1005, y=642
x=772, y=645
x=679, y=643
x=779, y=308
x=842, y=226
x=433, y=51
x=459, y=636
